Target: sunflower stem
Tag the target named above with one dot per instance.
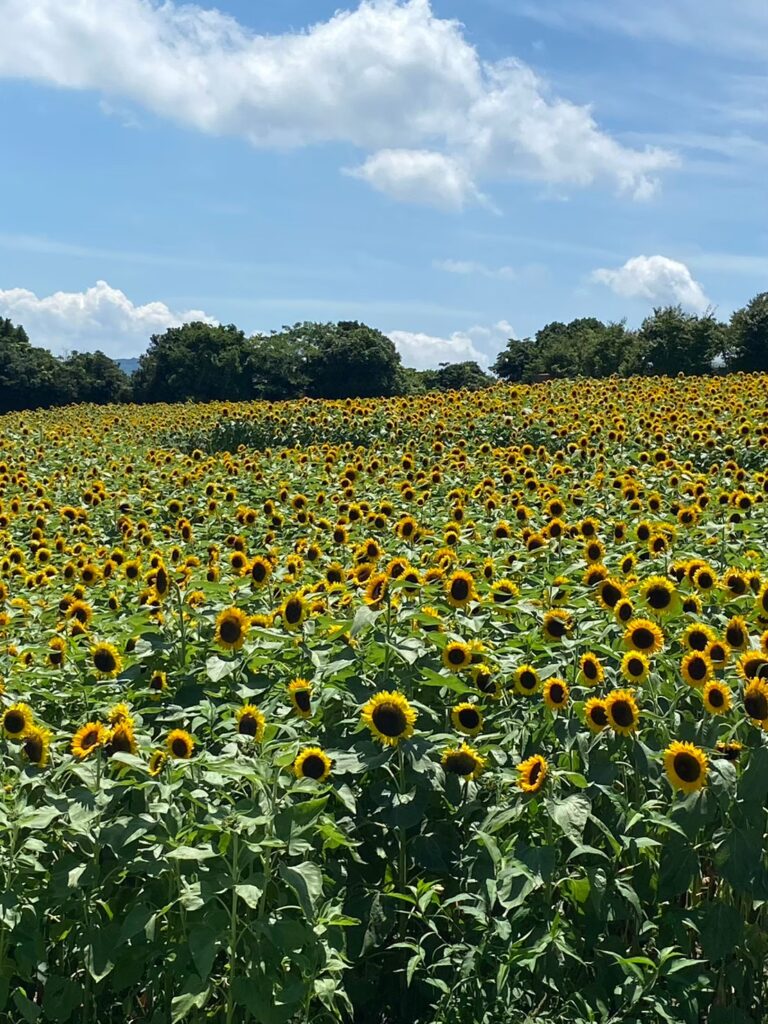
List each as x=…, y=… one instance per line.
x=233, y=930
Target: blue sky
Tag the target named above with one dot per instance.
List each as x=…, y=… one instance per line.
x=451, y=172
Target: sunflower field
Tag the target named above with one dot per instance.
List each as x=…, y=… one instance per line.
x=429, y=709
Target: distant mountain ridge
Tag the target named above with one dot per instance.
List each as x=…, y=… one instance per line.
x=128, y=366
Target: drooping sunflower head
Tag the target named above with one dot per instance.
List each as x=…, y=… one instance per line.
x=106, y=660
x=716, y=697
x=88, y=738
x=635, y=666
x=232, y=627
x=389, y=717
x=467, y=718
x=457, y=655
x=300, y=692
x=686, y=766
x=179, y=744
x=755, y=700
x=557, y=623
x=696, y=668
x=532, y=774
x=643, y=635
x=556, y=694
x=121, y=739
x=312, y=763
x=595, y=715
x=251, y=722
x=36, y=744
x=622, y=712
x=459, y=589
x=527, y=681
x=57, y=651
x=17, y=720
x=464, y=761
x=591, y=671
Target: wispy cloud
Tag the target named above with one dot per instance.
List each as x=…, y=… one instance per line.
x=469, y=268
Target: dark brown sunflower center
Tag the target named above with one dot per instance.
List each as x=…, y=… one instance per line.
x=598, y=715
x=687, y=767
x=469, y=718
x=313, y=767
x=230, y=631
x=293, y=611
x=259, y=572
x=33, y=749
x=755, y=667
x=737, y=585
x=161, y=581
x=717, y=653
x=460, y=763
x=179, y=747
x=302, y=700
x=55, y=657
x=557, y=693
x=625, y=612
x=623, y=713
x=247, y=726
x=704, y=580
x=659, y=598
x=333, y=576
x=635, y=666
x=389, y=719
x=735, y=636
x=456, y=655
x=697, y=641
x=716, y=698
x=534, y=773
x=697, y=668
x=460, y=590
x=90, y=739
x=104, y=661
x=14, y=721
x=120, y=743
x=642, y=637
x=528, y=680
x=590, y=669
x=556, y=627
x=756, y=706
x=611, y=594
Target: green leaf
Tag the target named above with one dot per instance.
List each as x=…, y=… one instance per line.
x=60, y=999
x=217, y=668
x=307, y=882
x=194, y=996
x=571, y=815
x=37, y=818
x=249, y=894
x=721, y=928
x=202, y=946
x=191, y=853
x=308, y=810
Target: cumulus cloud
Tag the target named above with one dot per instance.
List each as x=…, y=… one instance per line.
x=426, y=351
x=100, y=317
x=656, y=278
x=388, y=77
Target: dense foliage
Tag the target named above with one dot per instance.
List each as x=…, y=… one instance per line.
x=205, y=362
x=456, y=715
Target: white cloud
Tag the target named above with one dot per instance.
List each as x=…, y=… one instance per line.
x=470, y=268
x=656, y=278
x=99, y=317
x=389, y=77
x=426, y=351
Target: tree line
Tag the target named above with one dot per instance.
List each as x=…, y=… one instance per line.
x=204, y=362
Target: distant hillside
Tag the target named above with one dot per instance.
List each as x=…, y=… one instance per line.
x=128, y=366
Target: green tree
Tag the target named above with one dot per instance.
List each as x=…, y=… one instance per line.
x=746, y=346
x=672, y=341
x=30, y=377
x=94, y=377
x=515, y=362
x=467, y=376
x=195, y=361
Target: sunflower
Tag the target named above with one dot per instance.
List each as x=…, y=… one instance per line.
x=157, y=761
x=734, y=582
x=88, y=738
x=293, y=611
x=643, y=635
x=556, y=694
x=300, y=692
x=251, y=722
x=591, y=671
x=232, y=626
x=158, y=682
x=389, y=716
x=484, y=680
x=467, y=718
x=36, y=744
x=527, y=680
x=312, y=763
x=106, y=660
x=705, y=578
x=459, y=589
x=761, y=601
x=686, y=766
x=658, y=593
x=503, y=591
x=755, y=700
x=697, y=636
x=463, y=760
x=737, y=633
x=121, y=739
x=57, y=651
x=635, y=667
x=696, y=668
x=752, y=665
x=730, y=751
x=718, y=653
x=532, y=773
x=179, y=744
x=595, y=714
x=622, y=712
x=120, y=713
x=457, y=655
x=609, y=593
x=80, y=611
x=17, y=720
x=717, y=697
x=557, y=623
x=624, y=609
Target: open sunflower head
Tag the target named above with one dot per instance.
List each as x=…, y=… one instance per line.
x=390, y=717
x=17, y=720
x=557, y=623
x=698, y=636
x=88, y=738
x=35, y=745
x=591, y=671
x=556, y=694
x=752, y=665
x=609, y=593
x=293, y=611
x=467, y=718
x=595, y=715
x=659, y=594
x=121, y=739
x=755, y=701
x=737, y=633
x=106, y=660
x=157, y=761
x=232, y=627
x=459, y=589
x=251, y=722
x=457, y=655
x=464, y=761
x=179, y=744
x=624, y=609
x=696, y=668
x=312, y=763
x=300, y=693
x=635, y=667
x=527, y=681
x=643, y=635
x=717, y=697
x=532, y=774
x=686, y=766
x=484, y=680
x=622, y=712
